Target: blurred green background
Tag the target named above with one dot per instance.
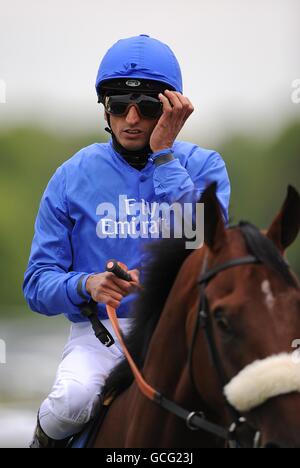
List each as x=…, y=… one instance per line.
x=260, y=170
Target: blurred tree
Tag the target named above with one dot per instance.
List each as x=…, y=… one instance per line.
x=260, y=172
x=28, y=158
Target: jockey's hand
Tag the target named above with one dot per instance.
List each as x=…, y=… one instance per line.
x=176, y=110
x=107, y=288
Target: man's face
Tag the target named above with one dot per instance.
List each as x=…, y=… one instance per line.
x=132, y=131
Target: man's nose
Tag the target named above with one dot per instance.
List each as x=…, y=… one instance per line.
x=132, y=116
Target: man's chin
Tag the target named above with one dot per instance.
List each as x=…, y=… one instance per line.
x=133, y=146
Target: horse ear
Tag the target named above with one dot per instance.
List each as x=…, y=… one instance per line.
x=214, y=229
x=285, y=227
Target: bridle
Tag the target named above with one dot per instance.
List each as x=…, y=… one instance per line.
x=204, y=322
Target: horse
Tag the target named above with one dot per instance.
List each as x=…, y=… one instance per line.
x=213, y=334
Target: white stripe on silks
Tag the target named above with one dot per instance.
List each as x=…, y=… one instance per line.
x=262, y=380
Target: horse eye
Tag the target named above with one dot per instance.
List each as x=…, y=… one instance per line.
x=223, y=322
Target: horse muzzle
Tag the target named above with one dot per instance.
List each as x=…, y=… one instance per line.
x=268, y=392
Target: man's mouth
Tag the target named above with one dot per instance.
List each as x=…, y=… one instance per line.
x=133, y=132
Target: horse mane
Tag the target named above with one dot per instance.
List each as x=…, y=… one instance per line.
x=266, y=252
x=165, y=259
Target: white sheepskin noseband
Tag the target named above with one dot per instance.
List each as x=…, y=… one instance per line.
x=262, y=380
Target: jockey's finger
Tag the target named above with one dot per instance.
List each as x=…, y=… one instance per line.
x=135, y=275
x=167, y=108
x=120, y=283
x=175, y=101
x=106, y=294
x=113, y=287
x=108, y=300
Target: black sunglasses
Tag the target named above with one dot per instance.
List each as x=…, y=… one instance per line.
x=148, y=107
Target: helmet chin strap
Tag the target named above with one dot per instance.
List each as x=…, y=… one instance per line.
x=137, y=159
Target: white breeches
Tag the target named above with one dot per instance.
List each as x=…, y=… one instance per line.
x=85, y=365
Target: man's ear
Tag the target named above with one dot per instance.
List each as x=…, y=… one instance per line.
x=214, y=228
x=286, y=225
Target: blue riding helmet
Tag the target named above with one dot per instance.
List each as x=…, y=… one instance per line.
x=139, y=64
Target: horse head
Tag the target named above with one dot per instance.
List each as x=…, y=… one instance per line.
x=248, y=322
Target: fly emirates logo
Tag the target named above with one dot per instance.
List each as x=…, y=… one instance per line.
x=142, y=219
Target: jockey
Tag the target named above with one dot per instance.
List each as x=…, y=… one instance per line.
x=78, y=224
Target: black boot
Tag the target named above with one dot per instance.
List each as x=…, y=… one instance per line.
x=41, y=440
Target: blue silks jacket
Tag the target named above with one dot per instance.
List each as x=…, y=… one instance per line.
x=69, y=240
